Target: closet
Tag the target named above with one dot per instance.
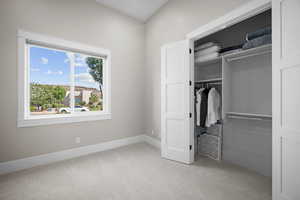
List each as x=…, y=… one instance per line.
x=235, y=65
x=259, y=128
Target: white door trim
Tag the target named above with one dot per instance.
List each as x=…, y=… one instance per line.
x=237, y=15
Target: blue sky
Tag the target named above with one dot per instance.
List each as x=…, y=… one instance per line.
x=48, y=66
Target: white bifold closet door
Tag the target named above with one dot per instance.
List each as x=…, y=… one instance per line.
x=286, y=99
x=175, y=98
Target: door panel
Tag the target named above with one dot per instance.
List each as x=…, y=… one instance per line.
x=290, y=168
x=175, y=108
x=286, y=99
x=290, y=97
x=175, y=134
x=175, y=64
x=290, y=31
x=175, y=98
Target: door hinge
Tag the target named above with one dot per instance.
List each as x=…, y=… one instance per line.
x=190, y=83
x=191, y=147
x=190, y=51
x=191, y=115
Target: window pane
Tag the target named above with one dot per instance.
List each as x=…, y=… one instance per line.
x=88, y=83
x=49, y=81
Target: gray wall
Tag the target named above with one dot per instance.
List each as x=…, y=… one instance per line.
x=135, y=86
x=248, y=143
x=83, y=21
x=170, y=24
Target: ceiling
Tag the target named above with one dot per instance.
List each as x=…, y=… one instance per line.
x=139, y=9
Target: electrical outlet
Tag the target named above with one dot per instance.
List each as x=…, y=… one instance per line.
x=152, y=132
x=77, y=140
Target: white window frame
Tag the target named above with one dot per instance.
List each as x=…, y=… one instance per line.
x=24, y=117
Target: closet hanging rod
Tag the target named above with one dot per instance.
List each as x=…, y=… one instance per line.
x=210, y=83
x=215, y=83
x=209, y=80
x=247, y=116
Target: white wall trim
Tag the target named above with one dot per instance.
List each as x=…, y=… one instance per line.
x=239, y=14
x=152, y=141
x=26, y=163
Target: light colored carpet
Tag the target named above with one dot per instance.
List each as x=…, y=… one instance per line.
x=135, y=172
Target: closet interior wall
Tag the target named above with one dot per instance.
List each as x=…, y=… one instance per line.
x=246, y=88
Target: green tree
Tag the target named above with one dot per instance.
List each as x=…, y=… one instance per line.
x=82, y=103
x=59, y=94
x=39, y=95
x=46, y=96
x=96, y=70
x=93, y=99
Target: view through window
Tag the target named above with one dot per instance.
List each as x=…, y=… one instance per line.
x=64, y=82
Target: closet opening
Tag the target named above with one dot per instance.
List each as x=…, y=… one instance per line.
x=233, y=94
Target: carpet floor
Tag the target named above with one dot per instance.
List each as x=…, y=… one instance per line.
x=135, y=172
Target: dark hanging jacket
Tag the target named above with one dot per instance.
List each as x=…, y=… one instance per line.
x=203, y=112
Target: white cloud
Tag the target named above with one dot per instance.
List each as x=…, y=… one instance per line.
x=79, y=60
x=44, y=60
x=79, y=65
x=33, y=69
x=84, y=77
x=55, y=72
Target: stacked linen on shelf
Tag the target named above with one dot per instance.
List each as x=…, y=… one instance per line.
x=207, y=51
x=258, y=38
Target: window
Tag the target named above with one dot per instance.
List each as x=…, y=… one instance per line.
x=61, y=79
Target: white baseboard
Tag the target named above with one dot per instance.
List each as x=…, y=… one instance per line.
x=153, y=141
x=26, y=163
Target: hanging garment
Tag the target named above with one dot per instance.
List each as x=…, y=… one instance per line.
x=203, y=107
x=198, y=105
x=213, y=107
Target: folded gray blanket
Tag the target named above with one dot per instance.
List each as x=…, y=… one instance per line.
x=263, y=40
x=259, y=33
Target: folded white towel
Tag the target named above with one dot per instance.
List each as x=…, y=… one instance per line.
x=204, y=46
x=209, y=50
x=207, y=57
